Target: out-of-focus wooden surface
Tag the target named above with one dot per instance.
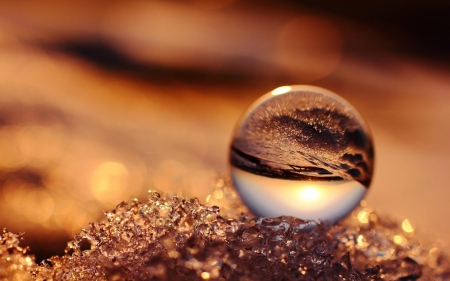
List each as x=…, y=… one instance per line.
x=101, y=102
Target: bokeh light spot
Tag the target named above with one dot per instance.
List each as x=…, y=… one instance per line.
x=407, y=226
x=38, y=205
x=110, y=182
x=16, y=147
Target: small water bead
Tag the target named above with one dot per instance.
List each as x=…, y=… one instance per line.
x=301, y=151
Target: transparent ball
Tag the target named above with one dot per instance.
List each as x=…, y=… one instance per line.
x=301, y=151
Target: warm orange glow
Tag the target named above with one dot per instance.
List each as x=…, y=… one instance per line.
x=63, y=115
x=16, y=147
x=364, y=216
x=49, y=142
x=309, y=48
x=38, y=206
x=213, y=4
x=110, y=182
x=434, y=257
x=218, y=194
x=205, y=275
x=70, y=215
x=309, y=194
x=170, y=175
x=361, y=241
x=398, y=239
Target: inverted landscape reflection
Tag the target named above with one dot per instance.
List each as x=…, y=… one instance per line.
x=302, y=151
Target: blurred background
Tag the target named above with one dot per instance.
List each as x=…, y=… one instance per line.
x=101, y=101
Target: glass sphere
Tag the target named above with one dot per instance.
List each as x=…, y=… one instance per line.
x=301, y=151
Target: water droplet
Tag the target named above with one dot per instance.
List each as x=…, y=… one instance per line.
x=301, y=151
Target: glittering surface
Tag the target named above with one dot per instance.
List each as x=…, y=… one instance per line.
x=14, y=263
x=172, y=238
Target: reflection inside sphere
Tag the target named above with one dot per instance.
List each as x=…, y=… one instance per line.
x=301, y=151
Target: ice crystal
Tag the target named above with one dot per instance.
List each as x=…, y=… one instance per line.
x=14, y=263
x=173, y=238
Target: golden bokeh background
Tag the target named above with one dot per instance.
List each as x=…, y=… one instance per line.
x=101, y=101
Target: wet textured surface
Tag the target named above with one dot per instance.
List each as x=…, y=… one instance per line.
x=303, y=134
x=172, y=238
